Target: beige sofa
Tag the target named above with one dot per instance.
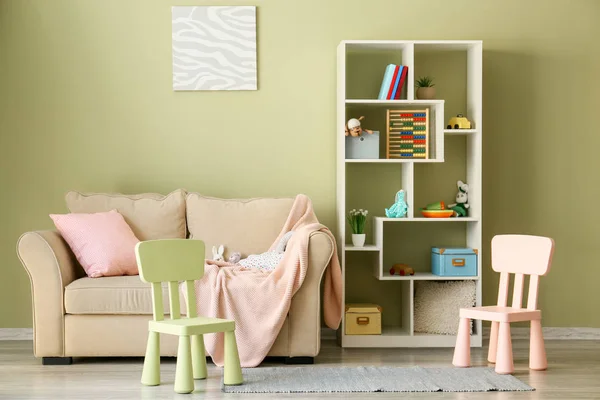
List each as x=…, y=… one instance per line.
x=77, y=316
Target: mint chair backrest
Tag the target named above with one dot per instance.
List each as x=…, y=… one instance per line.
x=171, y=261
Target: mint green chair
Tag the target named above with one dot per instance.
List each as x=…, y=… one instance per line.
x=174, y=260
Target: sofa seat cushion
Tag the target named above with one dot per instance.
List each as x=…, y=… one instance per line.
x=113, y=295
x=249, y=226
x=150, y=215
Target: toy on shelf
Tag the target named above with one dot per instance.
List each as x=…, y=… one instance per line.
x=354, y=128
x=461, y=207
x=459, y=122
x=399, y=208
x=436, y=210
x=407, y=134
x=402, y=270
x=440, y=205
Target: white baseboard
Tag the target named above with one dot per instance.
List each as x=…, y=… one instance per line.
x=552, y=333
x=522, y=333
x=16, y=334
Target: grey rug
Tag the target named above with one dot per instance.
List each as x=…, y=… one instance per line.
x=374, y=379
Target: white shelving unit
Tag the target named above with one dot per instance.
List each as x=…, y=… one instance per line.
x=404, y=51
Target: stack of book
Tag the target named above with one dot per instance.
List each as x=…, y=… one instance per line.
x=393, y=82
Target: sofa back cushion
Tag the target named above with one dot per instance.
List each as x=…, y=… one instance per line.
x=249, y=226
x=150, y=215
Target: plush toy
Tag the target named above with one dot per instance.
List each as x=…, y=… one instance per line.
x=353, y=127
x=235, y=257
x=402, y=270
x=268, y=260
x=461, y=207
x=218, y=254
x=399, y=208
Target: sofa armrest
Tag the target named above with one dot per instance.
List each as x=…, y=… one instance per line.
x=305, y=309
x=51, y=266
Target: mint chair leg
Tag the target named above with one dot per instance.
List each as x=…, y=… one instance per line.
x=151, y=371
x=198, y=357
x=232, y=375
x=184, y=380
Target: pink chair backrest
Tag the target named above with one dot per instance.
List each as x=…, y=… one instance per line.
x=521, y=255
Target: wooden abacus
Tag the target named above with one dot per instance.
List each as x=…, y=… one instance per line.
x=407, y=134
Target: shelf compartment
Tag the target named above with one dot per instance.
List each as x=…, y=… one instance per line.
x=366, y=247
x=426, y=276
x=411, y=245
x=365, y=65
x=362, y=180
x=380, y=114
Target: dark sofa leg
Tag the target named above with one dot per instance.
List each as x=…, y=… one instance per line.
x=299, y=360
x=57, y=360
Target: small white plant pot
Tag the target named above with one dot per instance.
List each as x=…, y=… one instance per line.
x=358, y=239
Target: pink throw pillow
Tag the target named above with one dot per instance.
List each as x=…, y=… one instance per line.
x=102, y=242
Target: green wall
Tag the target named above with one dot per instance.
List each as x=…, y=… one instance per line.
x=86, y=103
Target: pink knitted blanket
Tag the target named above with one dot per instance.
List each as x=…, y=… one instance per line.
x=259, y=301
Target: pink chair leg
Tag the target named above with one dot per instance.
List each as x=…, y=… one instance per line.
x=537, y=351
x=504, y=359
x=462, y=351
x=493, y=342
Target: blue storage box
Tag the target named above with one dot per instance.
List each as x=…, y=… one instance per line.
x=364, y=146
x=453, y=261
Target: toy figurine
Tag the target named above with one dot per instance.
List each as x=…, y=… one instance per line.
x=218, y=253
x=459, y=122
x=461, y=207
x=399, y=208
x=401, y=269
x=440, y=205
x=353, y=127
x=235, y=257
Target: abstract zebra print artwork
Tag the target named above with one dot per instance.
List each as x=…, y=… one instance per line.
x=214, y=48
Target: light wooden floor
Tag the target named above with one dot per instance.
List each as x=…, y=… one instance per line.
x=574, y=373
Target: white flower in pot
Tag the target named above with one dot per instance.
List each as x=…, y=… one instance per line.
x=357, y=221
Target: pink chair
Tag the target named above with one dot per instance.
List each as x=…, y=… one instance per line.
x=521, y=255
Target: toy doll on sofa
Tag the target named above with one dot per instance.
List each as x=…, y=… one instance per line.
x=266, y=261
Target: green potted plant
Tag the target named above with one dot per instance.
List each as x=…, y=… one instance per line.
x=425, y=88
x=357, y=221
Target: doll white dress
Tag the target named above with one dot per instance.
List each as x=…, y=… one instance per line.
x=268, y=260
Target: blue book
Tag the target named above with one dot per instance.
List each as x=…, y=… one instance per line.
x=387, y=80
x=397, y=81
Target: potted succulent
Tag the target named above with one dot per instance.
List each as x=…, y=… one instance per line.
x=425, y=88
x=357, y=221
